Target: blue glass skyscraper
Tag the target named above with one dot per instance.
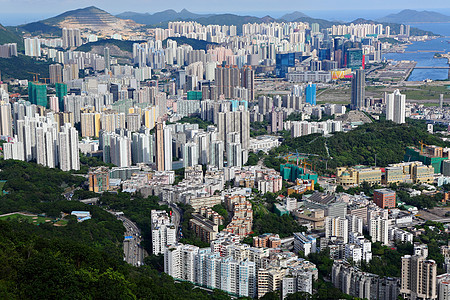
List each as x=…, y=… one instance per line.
x=310, y=93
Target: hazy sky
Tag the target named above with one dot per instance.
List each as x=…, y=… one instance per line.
x=31, y=10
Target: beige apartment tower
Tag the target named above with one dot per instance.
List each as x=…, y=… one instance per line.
x=160, y=146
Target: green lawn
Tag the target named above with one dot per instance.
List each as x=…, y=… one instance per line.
x=31, y=219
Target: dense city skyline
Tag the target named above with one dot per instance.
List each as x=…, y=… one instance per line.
x=294, y=157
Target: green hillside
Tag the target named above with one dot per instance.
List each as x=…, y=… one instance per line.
x=9, y=36
x=76, y=261
x=196, y=44
x=40, y=28
x=384, y=138
x=123, y=45
x=18, y=67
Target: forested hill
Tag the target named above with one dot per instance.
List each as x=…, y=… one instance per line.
x=384, y=138
x=76, y=261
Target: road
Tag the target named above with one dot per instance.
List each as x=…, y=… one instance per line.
x=134, y=253
x=177, y=219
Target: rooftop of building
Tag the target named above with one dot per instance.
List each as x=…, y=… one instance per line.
x=385, y=191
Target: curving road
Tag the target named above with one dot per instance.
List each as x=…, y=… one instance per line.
x=133, y=251
x=177, y=218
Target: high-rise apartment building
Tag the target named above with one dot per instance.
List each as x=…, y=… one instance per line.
x=5, y=119
x=163, y=231
x=90, y=124
x=379, y=230
x=42, y=140
x=8, y=50
x=167, y=148
x=55, y=72
x=231, y=273
x=37, y=93
x=68, y=148
x=358, y=89
x=107, y=60
x=418, y=277
x=336, y=227
x=310, y=93
x=159, y=145
x=235, y=121
x=190, y=154
x=396, y=107
x=71, y=37
x=32, y=47
x=248, y=81
x=226, y=79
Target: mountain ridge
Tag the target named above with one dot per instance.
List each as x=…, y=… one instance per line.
x=96, y=19
x=90, y=17
x=414, y=16
x=162, y=16
x=294, y=16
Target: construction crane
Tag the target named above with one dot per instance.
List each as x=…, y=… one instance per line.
x=35, y=76
x=45, y=80
x=287, y=157
x=421, y=146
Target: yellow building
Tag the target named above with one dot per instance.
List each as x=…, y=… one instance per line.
x=301, y=187
x=357, y=175
x=90, y=124
x=422, y=174
x=409, y=172
x=150, y=117
x=99, y=179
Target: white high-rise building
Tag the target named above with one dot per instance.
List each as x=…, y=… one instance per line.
x=336, y=227
x=216, y=155
x=163, y=231
x=379, y=230
x=355, y=224
x=396, y=107
x=13, y=150
x=443, y=286
x=297, y=282
x=142, y=147
x=5, y=119
x=304, y=243
x=168, y=156
x=190, y=154
x=68, y=148
x=179, y=261
x=234, y=155
x=32, y=47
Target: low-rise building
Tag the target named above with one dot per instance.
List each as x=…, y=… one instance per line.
x=267, y=240
x=204, y=228
x=304, y=243
x=315, y=218
x=384, y=198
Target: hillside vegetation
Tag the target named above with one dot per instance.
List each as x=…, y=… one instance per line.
x=122, y=45
x=77, y=261
x=384, y=138
x=196, y=44
x=20, y=66
x=9, y=36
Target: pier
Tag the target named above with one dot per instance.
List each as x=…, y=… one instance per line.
x=448, y=67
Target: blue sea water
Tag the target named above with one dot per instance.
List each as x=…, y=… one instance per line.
x=425, y=59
